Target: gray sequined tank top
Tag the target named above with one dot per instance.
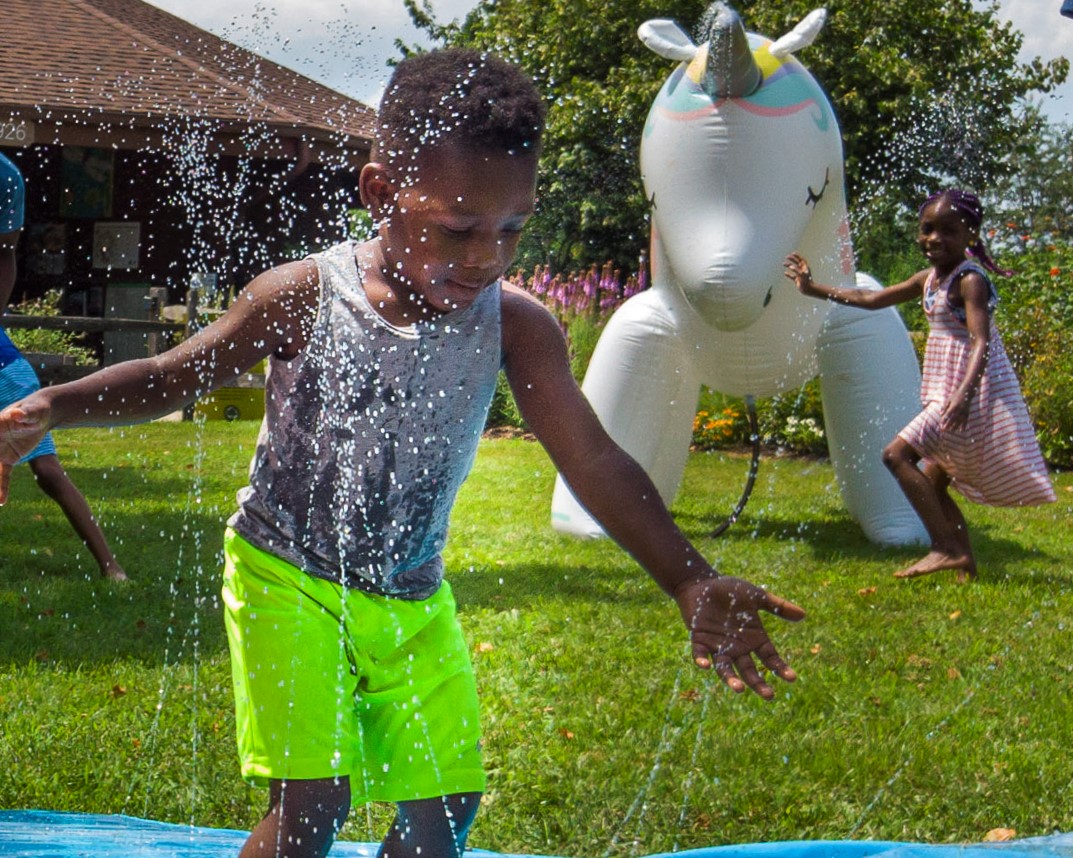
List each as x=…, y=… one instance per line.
x=368, y=434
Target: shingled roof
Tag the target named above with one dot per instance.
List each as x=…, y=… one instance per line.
x=124, y=70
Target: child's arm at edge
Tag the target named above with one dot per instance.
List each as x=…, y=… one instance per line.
x=266, y=317
x=797, y=270
x=720, y=612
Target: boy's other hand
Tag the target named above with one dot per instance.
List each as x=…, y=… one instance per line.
x=723, y=618
x=22, y=426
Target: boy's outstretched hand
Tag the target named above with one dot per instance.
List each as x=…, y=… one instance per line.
x=21, y=429
x=723, y=618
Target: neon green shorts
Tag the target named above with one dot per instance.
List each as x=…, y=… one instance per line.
x=331, y=683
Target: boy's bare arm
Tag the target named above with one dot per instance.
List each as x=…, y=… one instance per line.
x=266, y=317
x=721, y=613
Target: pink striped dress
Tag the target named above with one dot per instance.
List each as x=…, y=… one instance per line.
x=995, y=458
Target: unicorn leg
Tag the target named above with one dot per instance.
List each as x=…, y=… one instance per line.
x=645, y=393
x=871, y=389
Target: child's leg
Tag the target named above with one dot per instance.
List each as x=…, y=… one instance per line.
x=55, y=483
x=431, y=827
x=302, y=820
x=954, y=516
x=948, y=548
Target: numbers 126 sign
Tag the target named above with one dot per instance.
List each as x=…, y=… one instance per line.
x=16, y=132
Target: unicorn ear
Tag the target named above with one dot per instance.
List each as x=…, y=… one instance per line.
x=800, y=36
x=664, y=37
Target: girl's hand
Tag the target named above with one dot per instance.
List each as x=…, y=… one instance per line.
x=22, y=426
x=797, y=270
x=955, y=413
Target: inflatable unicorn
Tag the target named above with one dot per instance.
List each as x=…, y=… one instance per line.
x=741, y=158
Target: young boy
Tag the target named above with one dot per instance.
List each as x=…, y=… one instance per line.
x=17, y=380
x=352, y=679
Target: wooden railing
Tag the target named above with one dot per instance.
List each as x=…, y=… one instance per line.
x=91, y=324
x=159, y=336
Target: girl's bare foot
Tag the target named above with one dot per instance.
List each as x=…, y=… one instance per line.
x=936, y=561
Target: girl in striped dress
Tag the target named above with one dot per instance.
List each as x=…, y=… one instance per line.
x=974, y=431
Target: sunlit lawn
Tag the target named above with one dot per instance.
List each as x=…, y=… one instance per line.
x=925, y=711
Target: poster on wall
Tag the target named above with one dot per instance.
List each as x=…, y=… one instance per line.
x=115, y=245
x=87, y=182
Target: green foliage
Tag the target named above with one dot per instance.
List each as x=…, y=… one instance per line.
x=360, y=226
x=46, y=341
x=721, y=422
x=582, y=334
x=1036, y=191
x=793, y=421
x=504, y=410
x=1048, y=390
x=1035, y=317
x=724, y=428
x=790, y=422
x=924, y=711
x=953, y=111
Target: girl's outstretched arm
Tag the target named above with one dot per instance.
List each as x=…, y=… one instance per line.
x=797, y=270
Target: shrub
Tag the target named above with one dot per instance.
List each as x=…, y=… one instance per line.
x=1035, y=316
x=44, y=340
x=582, y=303
x=504, y=410
x=793, y=421
x=788, y=422
x=1048, y=389
x=714, y=430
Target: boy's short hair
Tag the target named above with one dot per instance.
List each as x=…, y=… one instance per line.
x=457, y=95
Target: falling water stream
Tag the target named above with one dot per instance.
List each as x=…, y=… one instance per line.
x=212, y=202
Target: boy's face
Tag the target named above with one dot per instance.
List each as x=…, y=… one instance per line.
x=455, y=224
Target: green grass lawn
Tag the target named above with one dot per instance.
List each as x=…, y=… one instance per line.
x=925, y=710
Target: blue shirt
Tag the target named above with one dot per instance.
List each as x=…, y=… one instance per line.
x=12, y=215
x=12, y=196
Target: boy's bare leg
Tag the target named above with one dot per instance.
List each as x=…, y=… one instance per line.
x=431, y=827
x=949, y=546
x=302, y=820
x=55, y=483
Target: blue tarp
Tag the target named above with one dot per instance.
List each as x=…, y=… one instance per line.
x=47, y=834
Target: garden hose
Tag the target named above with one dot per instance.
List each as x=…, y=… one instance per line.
x=754, y=466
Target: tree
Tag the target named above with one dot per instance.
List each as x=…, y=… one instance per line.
x=1036, y=191
x=924, y=90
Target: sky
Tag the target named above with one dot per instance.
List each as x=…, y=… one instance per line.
x=346, y=44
